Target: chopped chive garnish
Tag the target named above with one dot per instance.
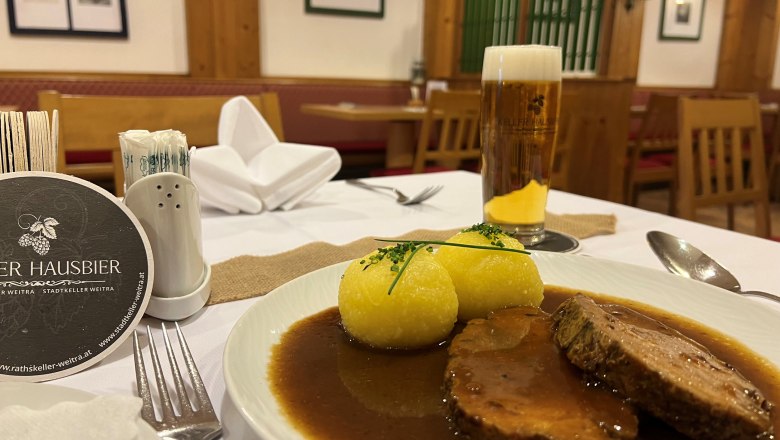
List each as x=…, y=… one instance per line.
x=397, y=253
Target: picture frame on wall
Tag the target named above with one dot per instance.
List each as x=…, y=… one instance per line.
x=97, y=18
x=357, y=8
x=681, y=20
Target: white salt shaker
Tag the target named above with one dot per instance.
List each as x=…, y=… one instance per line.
x=167, y=206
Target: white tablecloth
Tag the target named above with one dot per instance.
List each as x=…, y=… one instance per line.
x=339, y=213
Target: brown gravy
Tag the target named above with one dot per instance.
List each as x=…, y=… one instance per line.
x=331, y=387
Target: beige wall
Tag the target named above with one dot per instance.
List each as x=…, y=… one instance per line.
x=296, y=44
x=157, y=44
x=293, y=43
x=680, y=63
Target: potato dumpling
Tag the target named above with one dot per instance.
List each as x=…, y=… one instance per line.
x=421, y=310
x=487, y=280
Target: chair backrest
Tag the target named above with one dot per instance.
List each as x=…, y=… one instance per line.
x=456, y=114
x=657, y=135
x=658, y=129
x=718, y=139
x=92, y=123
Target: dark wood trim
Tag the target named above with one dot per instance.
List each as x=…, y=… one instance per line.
x=70, y=76
x=77, y=76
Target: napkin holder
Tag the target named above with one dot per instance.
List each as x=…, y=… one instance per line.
x=167, y=206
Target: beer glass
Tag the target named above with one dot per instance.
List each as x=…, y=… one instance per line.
x=519, y=120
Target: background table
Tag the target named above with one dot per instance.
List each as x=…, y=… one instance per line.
x=339, y=213
x=401, y=138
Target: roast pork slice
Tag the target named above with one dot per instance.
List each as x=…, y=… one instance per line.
x=662, y=371
x=506, y=379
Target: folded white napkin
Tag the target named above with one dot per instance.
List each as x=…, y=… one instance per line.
x=104, y=417
x=250, y=170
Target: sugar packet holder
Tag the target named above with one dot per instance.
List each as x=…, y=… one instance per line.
x=167, y=206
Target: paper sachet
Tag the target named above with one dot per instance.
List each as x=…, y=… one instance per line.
x=145, y=153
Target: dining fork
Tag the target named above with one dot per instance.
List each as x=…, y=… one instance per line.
x=400, y=197
x=198, y=422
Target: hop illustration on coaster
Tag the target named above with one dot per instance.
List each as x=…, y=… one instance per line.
x=41, y=231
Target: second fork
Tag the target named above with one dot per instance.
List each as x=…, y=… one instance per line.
x=401, y=198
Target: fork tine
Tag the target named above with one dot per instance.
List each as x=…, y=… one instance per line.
x=425, y=194
x=165, y=399
x=190, y=423
x=433, y=191
x=184, y=401
x=147, y=410
x=202, y=397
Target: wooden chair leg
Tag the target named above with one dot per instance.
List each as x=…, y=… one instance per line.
x=772, y=177
x=672, y=199
x=763, y=223
x=730, y=216
x=633, y=194
x=685, y=209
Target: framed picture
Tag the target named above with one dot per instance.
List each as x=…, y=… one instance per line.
x=104, y=18
x=681, y=19
x=359, y=8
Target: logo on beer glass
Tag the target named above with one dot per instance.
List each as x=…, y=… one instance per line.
x=536, y=105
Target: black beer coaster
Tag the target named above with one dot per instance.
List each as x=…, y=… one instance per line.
x=76, y=274
x=556, y=242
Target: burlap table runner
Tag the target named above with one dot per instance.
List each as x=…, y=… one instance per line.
x=248, y=276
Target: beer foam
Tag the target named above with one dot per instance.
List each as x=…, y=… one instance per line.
x=522, y=63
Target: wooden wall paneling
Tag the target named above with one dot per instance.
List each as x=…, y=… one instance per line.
x=774, y=43
x=767, y=45
x=748, y=40
x=223, y=38
x=522, y=27
x=598, y=156
x=440, y=37
x=621, y=38
x=200, y=38
x=237, y=25
x=735, y=34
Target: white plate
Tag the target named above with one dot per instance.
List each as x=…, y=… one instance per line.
x=249, y=345
x=42, y=396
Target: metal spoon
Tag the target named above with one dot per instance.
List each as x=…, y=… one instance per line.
x=682, y=258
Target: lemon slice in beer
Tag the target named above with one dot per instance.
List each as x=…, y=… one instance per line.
x=520, y=207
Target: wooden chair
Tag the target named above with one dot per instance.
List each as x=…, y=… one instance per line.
x=449, y=135
x=773, y=166
x=720, y=140
x=652, y=155
x=92, y=123
x=452, y=121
